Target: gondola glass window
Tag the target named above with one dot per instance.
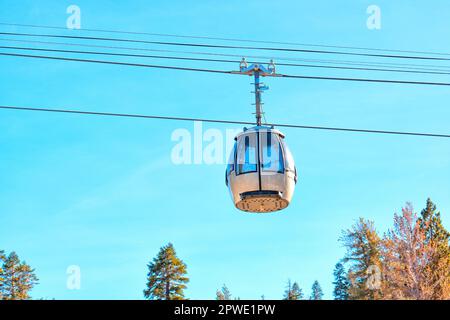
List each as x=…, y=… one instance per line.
x=272, y=153
x=230, y=164
x=290, y=166
x=246, y=154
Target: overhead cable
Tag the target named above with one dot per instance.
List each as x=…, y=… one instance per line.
x=294, y=126
x=225, y=71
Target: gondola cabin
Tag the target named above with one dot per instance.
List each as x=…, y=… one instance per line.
x=261, y=173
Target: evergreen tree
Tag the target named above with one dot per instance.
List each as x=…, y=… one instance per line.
x=438, y=237
x=430, y=221
x=223, y=294
x=226, y=292
x=363, y=254
x=316, y=291
x=412, y=261
x=439, y=267
x=166, y=279
x=219, y=295
x=341, y=283
x=288, y=291
x=293, y=291
x=16, y=278
x=297, y=293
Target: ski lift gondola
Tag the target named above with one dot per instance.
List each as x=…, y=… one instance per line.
x=261, y=173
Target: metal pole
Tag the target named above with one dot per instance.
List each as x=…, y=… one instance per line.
x=257, y=97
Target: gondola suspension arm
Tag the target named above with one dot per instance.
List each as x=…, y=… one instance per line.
x=257, y=71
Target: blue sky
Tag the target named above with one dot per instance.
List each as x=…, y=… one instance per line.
x=103, y=194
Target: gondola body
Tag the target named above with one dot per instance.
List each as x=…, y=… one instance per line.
x=261, y=173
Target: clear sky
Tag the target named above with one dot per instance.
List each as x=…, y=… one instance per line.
x=103, y=194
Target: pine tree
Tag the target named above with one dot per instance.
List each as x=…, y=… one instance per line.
x=438, y=236
x=288, y=291
x=430, y=221
x=341, y=283
x=17, y=278
x=226, y=292
x=316, y=291
x=412, y=261
x=223, y=294
x=363, y=254
x=293, y=291
x=297, y=293
x=166, y=279
x=219, y=295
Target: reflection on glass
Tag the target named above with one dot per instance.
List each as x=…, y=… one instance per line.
x=272, y=154
x=246, y=154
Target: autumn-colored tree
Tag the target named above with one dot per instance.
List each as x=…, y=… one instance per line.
x=293, y=291
x=437, y=236
x=412, y=267
x=363, y=256
x=341, y=283
x=316, y=291
x=219, y=295
x=296, y=293
x=223, y=294
x=2, y=279
x=166, y=279
x=288, y=292
x=16, y=278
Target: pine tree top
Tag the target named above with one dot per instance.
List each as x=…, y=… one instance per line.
x=166, y=279
x=317, y=292
x=16, y=278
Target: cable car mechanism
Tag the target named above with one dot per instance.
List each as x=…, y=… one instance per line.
x=261, y=173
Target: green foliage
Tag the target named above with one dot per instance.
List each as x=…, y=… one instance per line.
x=430, y=220
x=416, y=256
x=223, y=294
x=166, y=279
x=363, y=254
x=438, y=237
x=411, y=261
x=16, y=278
x=316, y=291
x=341, y=283
x=296, y=293
x=293, y=291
